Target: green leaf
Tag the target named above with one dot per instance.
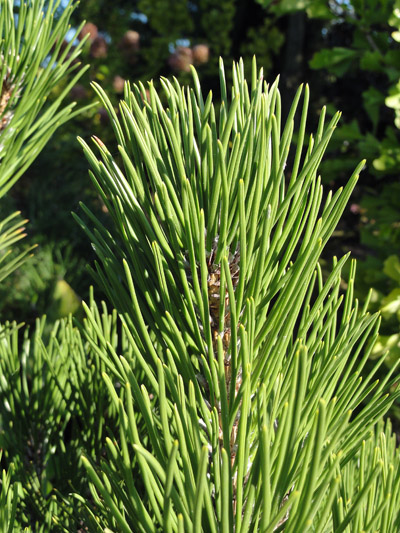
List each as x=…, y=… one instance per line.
x=373, y=100
x=337, y=60
x=396, y=36
x=371, y=60
x=392, y=267
x=65, y=299
x=391, y=304
x=389, y=345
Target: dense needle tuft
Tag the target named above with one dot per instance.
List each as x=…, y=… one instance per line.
x=247, y=355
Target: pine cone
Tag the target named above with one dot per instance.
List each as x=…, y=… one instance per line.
x=89, y=29
x=181, y=59
x=98, y=48
x=8, y=89
x=130, y=41
x=118, y=84
x=201, y=54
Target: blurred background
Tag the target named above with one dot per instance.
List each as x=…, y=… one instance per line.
x=347, y=50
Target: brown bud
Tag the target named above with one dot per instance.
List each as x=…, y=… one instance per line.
x=118, y=84
x=181, y=59
x=201, y=54
x=89, y=29
x=98, y=48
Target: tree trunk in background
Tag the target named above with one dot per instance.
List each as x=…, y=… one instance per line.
x=292, y=73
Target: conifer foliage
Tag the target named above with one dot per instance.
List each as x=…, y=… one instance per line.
x=226, y=390
x=243, y=409
x=34, y=59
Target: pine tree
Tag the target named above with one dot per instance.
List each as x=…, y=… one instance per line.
x=34, y=59
x=224, y=391
x=242, y=407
